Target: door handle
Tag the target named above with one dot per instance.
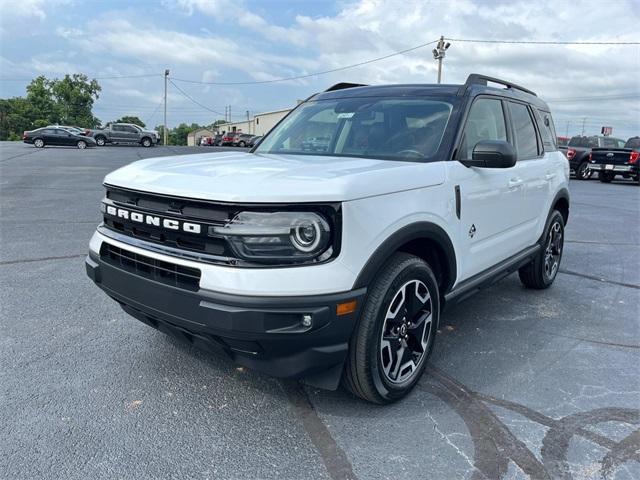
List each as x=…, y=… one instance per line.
x=515, y=182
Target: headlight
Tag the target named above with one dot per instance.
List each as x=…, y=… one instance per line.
x=278, y=237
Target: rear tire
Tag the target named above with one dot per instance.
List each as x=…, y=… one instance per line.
x=542, y=271
x=606, y=177
x=583, y=172
x=38, y=143
x=82, y=144
x=395, y=334
x=101, y=141
x=241, y=144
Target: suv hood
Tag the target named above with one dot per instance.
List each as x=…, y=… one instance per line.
x=265, y=178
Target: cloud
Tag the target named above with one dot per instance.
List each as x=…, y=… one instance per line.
x=231, y=40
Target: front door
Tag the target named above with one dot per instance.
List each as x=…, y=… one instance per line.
x=491, y=199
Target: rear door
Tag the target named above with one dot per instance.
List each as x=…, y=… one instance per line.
x=51, y=136
x=534, y=167
x=491, y=199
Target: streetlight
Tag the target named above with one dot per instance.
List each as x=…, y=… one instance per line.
x=439, y=53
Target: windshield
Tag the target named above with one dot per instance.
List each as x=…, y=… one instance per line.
x=387, y=128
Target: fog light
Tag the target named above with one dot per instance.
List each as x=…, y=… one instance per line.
x=306, y=320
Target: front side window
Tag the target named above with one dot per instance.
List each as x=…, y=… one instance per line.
x=524, y=131
x=371, y=127
x=485, y=122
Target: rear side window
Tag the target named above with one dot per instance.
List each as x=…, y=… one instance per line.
x=485, y=122
x=524, y=131
x=547, y=131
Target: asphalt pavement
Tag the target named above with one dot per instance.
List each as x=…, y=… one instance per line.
x=539, y=384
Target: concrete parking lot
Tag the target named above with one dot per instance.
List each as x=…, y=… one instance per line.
x=539, y=384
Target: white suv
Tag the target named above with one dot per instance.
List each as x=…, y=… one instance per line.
x=334, y=264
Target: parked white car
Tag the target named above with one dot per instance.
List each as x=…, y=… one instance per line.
x=335, y=265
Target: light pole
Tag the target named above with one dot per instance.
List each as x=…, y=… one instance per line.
x=164, y=130
x=439, y=53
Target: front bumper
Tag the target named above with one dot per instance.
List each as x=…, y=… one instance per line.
x=262, y=333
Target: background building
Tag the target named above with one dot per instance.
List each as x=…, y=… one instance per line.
x=260, y=124
x=193, y=138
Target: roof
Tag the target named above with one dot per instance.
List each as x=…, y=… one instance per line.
x=475, y=84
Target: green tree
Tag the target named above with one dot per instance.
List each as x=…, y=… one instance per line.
x=16, y=116
x=131, y=119
x=178, y=135
x=67, y=101
x=74, y=95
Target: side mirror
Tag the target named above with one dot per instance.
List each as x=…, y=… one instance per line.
x=492, y=154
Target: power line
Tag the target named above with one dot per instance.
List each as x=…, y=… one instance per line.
x=538, y=42
x=185, y=94
x=298, y=77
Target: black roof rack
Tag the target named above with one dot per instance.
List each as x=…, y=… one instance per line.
x=477, y=79
x=343, y=85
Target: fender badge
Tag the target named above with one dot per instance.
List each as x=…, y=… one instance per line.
x=472, y=230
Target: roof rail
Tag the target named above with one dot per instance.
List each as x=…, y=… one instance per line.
x=477, y=79
x=343, y=85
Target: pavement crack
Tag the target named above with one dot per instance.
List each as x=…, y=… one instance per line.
x=41, y=259
x=590, y=340
x=334, y=458
x=599, y=279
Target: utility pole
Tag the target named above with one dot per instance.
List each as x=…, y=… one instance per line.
x=584, y=119
x=439, y=53
x=248, y=123
x=566, y=134
x=164, y=130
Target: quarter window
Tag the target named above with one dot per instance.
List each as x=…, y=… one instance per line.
x=524, y=131
x=548, y=131
x=485, y=122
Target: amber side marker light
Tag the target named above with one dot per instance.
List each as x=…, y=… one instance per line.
x=346, y=307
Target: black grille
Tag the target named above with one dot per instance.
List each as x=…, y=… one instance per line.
x=164, y=272
x=201, y=212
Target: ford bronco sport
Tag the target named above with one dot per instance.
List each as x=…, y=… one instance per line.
x=335, y=264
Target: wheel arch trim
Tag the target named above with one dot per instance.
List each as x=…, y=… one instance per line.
x=414, y=231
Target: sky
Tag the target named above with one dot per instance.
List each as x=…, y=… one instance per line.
x=228, y=41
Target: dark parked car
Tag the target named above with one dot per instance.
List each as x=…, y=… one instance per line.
x=73, y=129
x=609, y=162
x=52, y=136
x=579, y=149
x=255, y=140
x=242, y=140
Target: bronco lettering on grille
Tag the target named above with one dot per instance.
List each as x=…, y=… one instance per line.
x=153, y=220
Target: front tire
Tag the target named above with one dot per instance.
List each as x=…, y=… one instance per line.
x=584, y=172
x=146, y=142
x=542, y=271
x=395, y=334
x=101, y=141
x=38, y=143
x=606, y=177
x=82, y=144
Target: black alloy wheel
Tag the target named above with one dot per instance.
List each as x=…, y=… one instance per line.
x=406, y=331
x=584, y=172
x=395, y=333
